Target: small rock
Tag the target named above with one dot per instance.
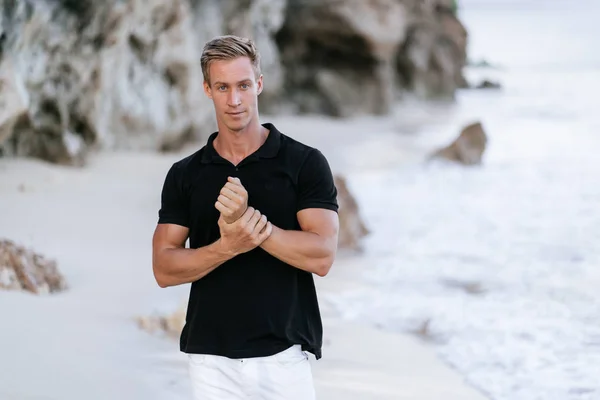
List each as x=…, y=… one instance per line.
x=352, y=227
x=171, y=324
x=469, y=287
x=423, y=330
x=468, y=148
x=486, y=84
x=23, y=269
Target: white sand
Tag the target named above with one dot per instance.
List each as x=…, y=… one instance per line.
x=97, y=223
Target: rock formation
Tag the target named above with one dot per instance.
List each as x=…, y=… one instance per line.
x=108, y=74
x=23, y=269
x=77, y=75
x=338, y=56
x=352, y=226
x=356, y=56
x=468, y=148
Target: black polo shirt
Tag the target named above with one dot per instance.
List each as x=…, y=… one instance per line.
x=254, y=304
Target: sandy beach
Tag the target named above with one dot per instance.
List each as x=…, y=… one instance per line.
x=97, y=222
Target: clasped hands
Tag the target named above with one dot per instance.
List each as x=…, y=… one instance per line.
x=242, y=228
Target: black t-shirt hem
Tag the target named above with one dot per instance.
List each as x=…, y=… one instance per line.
x=246, y=353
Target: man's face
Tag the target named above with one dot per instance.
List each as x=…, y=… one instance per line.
x=234, y=91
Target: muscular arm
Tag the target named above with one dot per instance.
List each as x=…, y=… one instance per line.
x=175, y=265
x=312, y=249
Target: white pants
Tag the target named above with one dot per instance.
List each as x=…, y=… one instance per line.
x=283, y=376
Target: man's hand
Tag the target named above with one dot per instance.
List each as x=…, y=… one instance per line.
x=232, y=201
x=245, y=234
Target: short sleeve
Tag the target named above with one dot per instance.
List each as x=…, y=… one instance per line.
x=316, y=187
x=174, y=208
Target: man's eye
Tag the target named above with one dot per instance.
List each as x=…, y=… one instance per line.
x=222, y=87
x=245, y=86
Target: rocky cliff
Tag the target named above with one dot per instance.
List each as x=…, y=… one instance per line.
x=82, y=74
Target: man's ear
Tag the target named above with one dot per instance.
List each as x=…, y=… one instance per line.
x=207, y=90
x=259, y=85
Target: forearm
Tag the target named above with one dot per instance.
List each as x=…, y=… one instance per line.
x=176, y=266
x=304, y=250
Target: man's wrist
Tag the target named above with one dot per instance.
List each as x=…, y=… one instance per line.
x=223, y=251
x=267, y=241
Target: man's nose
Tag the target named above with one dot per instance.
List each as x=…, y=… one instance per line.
x=234, y=98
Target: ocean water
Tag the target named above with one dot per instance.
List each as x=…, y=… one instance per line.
x=501, y=263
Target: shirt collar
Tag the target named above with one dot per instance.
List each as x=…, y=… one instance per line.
x=269, y=149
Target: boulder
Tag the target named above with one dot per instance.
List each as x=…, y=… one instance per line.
x=23, y=269
x=468, y=148
x=352, y=226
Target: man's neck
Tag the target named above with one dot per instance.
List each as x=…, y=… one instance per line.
x=237, y=145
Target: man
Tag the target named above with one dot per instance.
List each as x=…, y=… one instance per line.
x=260, y=212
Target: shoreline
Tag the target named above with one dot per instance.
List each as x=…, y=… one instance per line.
x=362, y=362
x=97, y=222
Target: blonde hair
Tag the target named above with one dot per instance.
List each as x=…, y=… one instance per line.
x=228, y=47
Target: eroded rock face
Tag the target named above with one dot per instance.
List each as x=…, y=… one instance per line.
x=351, y=57
x=126, y=74
x=108, y=74
x=23, y=269
x=352, y=226
x=119, y=74
x=468, y=148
